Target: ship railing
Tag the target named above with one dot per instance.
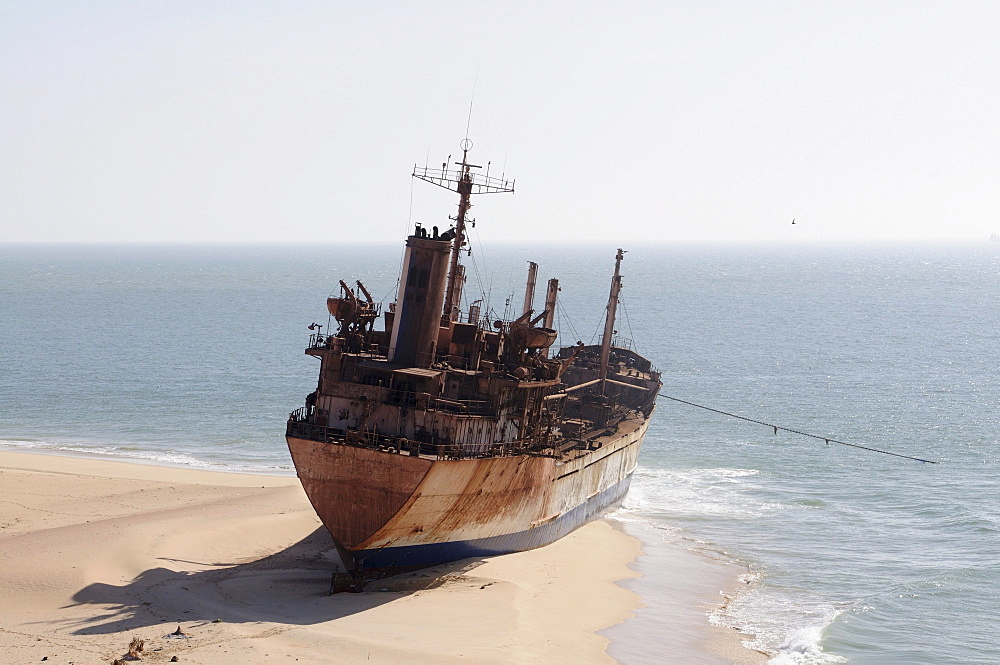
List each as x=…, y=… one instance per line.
x=456, y=362
x=427, y=401
x=464, y=407
x=623, y=342
x=318, y=341
x=300, y=428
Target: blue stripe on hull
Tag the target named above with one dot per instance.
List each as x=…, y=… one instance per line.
x=420, y=556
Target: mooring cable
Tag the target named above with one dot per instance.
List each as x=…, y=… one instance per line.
x=795, y=431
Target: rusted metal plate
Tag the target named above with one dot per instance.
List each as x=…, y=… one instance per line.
x=464, y=499
x=355, y=490
x=475, y=499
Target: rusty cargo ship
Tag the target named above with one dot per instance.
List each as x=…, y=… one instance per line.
x=453, y=433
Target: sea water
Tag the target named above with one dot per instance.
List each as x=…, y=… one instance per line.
x=193, y=355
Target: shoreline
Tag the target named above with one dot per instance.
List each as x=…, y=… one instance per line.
x=6, y=446
x=99, y=551
x=681, y=586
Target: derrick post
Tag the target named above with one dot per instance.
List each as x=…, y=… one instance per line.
x=609, y=322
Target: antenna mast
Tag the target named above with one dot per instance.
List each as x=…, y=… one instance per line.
x=466, y=183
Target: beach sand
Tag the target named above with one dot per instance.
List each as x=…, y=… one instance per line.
x=681, y=583
x=96, y=552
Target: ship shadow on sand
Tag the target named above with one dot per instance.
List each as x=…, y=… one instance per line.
x=288, y=587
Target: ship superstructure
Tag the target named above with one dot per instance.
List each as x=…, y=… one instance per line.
x=448, y=433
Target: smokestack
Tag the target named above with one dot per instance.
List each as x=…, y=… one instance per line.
x=419, y=303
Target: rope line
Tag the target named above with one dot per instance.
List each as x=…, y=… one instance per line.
x=394, y=289
x=827, y=439
x=564, y=315
x=593, y=337
x=631, y=335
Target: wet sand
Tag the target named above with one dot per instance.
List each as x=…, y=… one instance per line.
x=97, y=552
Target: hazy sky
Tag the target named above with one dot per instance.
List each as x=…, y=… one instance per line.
x=301, y=121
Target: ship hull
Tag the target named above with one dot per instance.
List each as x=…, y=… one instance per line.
x=391, y=510
x=419, y=556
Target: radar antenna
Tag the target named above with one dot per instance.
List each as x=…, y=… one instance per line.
x=466, y=183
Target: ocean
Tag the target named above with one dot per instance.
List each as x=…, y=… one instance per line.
x=193, y=355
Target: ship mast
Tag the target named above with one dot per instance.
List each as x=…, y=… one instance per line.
x=452, y=293
x=466, y=183
x=609, y=322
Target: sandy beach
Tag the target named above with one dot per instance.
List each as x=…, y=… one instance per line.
x=98, y=552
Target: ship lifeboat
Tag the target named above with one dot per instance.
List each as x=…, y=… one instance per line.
x=530, y=337
x=342, y=309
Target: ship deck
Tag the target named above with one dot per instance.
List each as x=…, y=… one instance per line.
x=564, y=450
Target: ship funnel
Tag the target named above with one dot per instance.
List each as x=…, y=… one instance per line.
x=419, y=302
